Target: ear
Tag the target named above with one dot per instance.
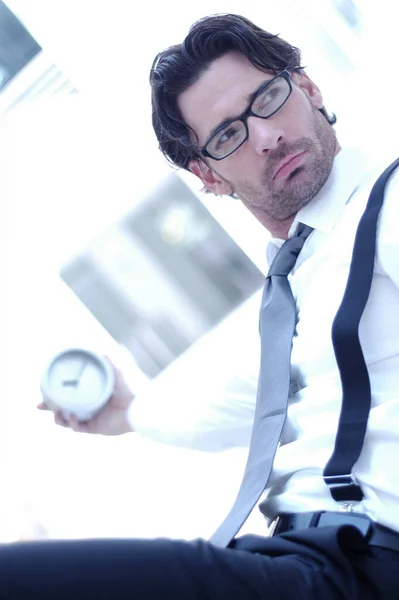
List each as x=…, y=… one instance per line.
x=211, y=180
x=304, y=82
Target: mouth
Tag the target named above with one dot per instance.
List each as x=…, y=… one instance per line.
x=288, y=164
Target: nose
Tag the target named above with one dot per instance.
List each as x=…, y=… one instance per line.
x=264, y=134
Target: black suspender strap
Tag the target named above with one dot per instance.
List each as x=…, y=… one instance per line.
x=356, y=391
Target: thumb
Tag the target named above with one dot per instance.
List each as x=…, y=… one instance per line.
x=42, y=406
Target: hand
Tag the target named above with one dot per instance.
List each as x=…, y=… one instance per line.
x=110, y=420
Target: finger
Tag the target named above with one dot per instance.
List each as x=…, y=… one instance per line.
x=81, y=428
x=117, y=372
x=76, y=425
x=70, y=423
x=42, y=406
x=59, y=420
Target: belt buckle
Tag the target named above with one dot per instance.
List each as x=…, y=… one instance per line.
x=362, y=522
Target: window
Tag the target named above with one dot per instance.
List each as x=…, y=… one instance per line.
x=162, y=276
x=17, y=46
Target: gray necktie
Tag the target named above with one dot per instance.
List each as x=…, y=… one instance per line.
x=277, y=329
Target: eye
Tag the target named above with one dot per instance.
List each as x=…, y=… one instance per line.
x=227, y=135
x=268, y=97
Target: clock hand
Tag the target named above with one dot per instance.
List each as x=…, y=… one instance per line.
x=70, y=382
x=75, y=382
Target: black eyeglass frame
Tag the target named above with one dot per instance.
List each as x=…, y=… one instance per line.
x=246, y=114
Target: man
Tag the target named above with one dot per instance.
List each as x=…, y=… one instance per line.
x=233, y=105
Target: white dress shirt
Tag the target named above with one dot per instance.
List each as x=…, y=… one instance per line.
x=214, y=409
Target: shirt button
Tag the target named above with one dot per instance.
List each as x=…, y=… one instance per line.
x=294, y=388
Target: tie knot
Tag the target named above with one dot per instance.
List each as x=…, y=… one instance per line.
x=288, y=253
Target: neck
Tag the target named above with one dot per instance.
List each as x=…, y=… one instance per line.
x=278, y=229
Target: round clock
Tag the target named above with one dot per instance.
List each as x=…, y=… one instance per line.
x=78, y=382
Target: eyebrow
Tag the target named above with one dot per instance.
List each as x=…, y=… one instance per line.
x=249, y=98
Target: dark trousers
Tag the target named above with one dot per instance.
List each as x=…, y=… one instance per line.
x=317, y=564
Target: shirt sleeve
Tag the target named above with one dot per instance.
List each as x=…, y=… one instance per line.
x=388, y=237
x=206, y=399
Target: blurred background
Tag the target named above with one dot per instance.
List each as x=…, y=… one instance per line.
x=105, y=246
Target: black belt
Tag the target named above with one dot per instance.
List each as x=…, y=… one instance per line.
x=376, y=535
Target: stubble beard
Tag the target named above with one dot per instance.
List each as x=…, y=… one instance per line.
x=280, y=202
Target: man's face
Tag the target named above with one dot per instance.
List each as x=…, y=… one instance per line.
x=286, y=158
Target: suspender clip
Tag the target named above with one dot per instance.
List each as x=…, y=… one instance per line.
x=344, y=489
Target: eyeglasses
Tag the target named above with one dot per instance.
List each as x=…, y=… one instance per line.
x=268, y=100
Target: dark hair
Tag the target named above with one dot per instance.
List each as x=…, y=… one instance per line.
x=175, y=69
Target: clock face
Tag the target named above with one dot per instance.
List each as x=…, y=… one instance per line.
x=78, y=380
